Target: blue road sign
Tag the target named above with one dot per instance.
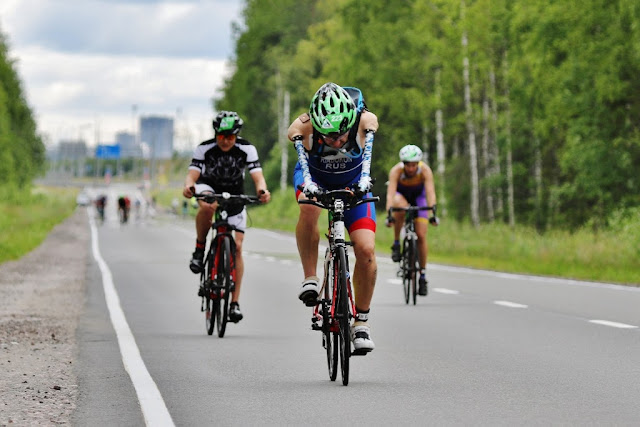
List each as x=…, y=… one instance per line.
x=108, y=152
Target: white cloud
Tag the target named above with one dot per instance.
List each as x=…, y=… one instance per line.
x=85, y=63
x=104, y=88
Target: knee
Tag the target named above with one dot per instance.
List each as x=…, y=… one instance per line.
x=366, y=252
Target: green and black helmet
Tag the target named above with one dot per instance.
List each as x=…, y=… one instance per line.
x=332, y=110
x=227, y=123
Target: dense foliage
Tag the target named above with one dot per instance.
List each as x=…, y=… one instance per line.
x=554, y=106
x=21, y=149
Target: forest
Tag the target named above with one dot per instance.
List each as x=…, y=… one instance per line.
x=528, y=111
x=22, y=152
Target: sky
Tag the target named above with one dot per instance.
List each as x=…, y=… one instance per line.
x=91, y=68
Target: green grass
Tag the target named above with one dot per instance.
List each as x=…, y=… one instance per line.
x=25, y=221
x=609, y=256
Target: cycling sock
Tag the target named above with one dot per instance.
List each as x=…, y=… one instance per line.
x=362, y=315
x=396, y=243
x=234, y=303
x=200, y=245
x=422, y=273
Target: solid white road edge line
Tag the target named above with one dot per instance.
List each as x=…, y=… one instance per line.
x=154, y=409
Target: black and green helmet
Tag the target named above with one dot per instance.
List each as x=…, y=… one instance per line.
x=227, y=123
x=332, y=110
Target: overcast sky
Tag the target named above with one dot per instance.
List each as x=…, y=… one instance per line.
x=84, y=64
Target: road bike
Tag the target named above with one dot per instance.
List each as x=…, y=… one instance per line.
x=335, y=306
x=410, y=256
x=218, y=278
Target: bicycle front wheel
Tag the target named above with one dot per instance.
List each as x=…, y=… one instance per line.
x=330, y=334
x=405, y=267
x=342, y=313
x=224, y=281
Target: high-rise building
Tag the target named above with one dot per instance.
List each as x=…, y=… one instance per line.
x=129, y=147
x=72, y=150
x=156, y=133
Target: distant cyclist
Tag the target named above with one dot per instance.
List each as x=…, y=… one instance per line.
x=411, y=184
x=218, y=165
x=124, y=204
x=101, y=203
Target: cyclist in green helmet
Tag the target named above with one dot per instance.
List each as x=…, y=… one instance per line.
x=219, y=165
x=411, y=184
x=334, y=141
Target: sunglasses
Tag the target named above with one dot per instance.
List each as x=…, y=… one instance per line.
x=334, y=136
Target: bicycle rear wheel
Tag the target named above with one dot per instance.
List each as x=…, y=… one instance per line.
x=342, y=313
x=412, y=269
x=330, y=337
x=224, y=281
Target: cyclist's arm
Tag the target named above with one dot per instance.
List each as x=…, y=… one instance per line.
x=429, y=186
x=189, y=182
x=366, y=132
x=301, y=128
x=392, y=186
x=261, y=186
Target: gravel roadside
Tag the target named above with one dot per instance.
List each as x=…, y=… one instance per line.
x=41, y=298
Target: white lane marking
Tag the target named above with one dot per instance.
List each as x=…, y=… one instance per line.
x=613, y=324
x=270, y=258
x=154, y=409
x=395, y=281
x=510, y=304
x=446, y=291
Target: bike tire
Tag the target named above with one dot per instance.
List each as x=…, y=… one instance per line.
x=342, y=313
x=210, y=306
x=224, y=279
x=413, y=268
x=330, y=338
x=405, y=268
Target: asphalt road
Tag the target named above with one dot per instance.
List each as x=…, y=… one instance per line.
x=482, y=349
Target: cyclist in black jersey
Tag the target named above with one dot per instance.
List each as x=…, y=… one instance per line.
x=219, y=165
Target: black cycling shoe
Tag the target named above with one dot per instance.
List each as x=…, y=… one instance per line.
x=395, y=252
x=422, y=288
x=235, y=315
x=201, y=291
x=196, y=265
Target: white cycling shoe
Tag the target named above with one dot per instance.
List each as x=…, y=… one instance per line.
x=361, y=337
x=309, y=291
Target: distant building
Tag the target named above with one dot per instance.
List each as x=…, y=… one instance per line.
x=129, y=147
x=156, y=133
x=72, y=150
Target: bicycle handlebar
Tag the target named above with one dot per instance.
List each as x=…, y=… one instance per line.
x=326, y=199
x=411, y=208
x=225, y=199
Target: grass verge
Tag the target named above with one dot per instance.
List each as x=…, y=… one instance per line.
x=26, y=220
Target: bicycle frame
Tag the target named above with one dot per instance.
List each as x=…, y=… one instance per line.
x=218, y=278
x=409, y=264
x=337, y=308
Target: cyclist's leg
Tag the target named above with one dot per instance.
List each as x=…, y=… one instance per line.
x=204, y=215
x=240, y=222
x=365, y=269
x=399, y=201
x=307, y=239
